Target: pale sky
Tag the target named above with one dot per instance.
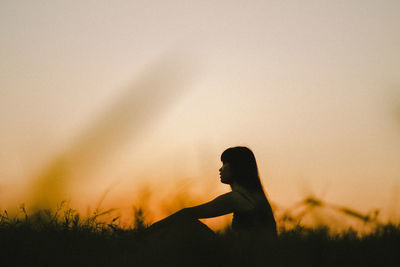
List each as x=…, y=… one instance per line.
x=310, y=86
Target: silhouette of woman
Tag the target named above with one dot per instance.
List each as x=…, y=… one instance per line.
x=252, y=213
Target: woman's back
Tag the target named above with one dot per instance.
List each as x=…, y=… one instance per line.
x=253, y=214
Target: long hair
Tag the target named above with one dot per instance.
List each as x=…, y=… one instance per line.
x=245, y=173
x=244, y=166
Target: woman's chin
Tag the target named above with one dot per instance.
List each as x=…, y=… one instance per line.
x=223, y=181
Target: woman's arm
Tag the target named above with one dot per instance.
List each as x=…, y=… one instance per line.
x=219, y=206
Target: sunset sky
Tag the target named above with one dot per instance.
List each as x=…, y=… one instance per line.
x=148, y=94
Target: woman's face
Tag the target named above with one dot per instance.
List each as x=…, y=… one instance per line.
x=225, y=173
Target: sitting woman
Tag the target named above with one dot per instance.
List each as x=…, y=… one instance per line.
x=252, y=213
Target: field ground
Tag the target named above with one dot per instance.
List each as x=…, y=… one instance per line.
x=64, y=238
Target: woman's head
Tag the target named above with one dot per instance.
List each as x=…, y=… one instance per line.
x=240, y=166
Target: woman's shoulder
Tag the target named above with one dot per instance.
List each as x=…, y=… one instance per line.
x=232, y=196
x=244, y=201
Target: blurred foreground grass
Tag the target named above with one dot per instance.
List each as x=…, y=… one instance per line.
x=62, y=237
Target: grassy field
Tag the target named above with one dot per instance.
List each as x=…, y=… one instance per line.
x=64, y=238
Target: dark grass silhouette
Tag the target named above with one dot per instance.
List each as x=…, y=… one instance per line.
x=63, y=237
